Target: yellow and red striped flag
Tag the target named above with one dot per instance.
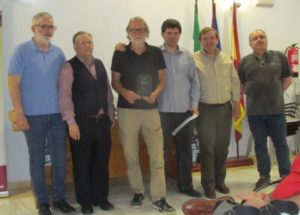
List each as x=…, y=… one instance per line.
x=235, y=54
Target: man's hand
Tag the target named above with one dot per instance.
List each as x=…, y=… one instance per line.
x=130, y=96
x=120, y=47
x=21, y=122
x=150, y=99
x=236, y=110
x=195, y=110
x=113, y=123
x=255, y=199
x=14, y=83
x=74, y=131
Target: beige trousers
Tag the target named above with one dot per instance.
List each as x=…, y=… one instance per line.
x=132, y=122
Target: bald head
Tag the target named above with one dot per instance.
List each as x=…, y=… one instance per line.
x=255, y=33
x=258, y=41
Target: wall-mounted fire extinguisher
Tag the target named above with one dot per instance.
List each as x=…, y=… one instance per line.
x=292, y=54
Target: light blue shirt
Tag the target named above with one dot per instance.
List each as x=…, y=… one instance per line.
x=182, y=90
x=39, y=72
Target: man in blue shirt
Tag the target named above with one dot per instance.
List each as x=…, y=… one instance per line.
x=33, y=88
x=181, y=94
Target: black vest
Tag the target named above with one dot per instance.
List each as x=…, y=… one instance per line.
x=89, y=95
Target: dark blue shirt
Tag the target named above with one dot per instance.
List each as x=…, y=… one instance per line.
x=262, y=80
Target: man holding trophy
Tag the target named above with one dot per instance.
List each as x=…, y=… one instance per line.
x=138, y=75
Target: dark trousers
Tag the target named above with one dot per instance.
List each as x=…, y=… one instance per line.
x=214, y=131
x=90, y=160
x=183, y=140
x=273, y=126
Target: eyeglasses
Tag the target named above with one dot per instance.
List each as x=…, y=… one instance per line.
x=261, y=37
x=83, y=43
x=46, y=27
x=136, y=30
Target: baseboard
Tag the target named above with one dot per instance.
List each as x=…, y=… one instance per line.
x=19, y=185
x=3, y=194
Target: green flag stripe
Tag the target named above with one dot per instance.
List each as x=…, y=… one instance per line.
x=196, y=29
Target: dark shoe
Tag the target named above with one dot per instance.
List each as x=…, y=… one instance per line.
x=106, y=205
x=263, y=181
x=137, y=200
x=222, y=188
x=63, y=206
x=87, y=209
x=283, y=176
x=44, y=209
x=163, y=206
x=191, y=192
x=210, y=193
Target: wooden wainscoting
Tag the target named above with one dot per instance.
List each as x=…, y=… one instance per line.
x=117, y=165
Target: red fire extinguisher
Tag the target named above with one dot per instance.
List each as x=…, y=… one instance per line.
x=292, y=54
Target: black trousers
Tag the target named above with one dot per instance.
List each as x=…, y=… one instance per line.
x=90, y=157
x=183, y=141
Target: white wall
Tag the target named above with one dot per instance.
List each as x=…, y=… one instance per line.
x=107, y=19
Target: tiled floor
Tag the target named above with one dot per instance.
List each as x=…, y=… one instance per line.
x=240, y=180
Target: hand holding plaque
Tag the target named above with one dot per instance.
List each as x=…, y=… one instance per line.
x=144, y=85
x=130, y=96
x=150, y=99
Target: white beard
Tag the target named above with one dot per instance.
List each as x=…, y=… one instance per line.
x=43, y=39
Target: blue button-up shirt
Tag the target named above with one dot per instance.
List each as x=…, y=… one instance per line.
x=182, y=90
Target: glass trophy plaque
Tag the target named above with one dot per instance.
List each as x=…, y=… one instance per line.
x=144, y=84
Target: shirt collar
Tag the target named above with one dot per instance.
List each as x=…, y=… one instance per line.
x=129, y=49
x=202, y=52
x=264, y=56
x=164, y=49
x=85, y=62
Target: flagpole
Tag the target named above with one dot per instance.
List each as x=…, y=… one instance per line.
x=238, y=149
x=238, y=58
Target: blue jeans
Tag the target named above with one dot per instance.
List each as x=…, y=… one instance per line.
x=275, y=127
x=52, y=129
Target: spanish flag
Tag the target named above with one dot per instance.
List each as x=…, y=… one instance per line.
x=235, y=54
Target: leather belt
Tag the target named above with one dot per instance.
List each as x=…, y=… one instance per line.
x=214, y=105
x=96, y=117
